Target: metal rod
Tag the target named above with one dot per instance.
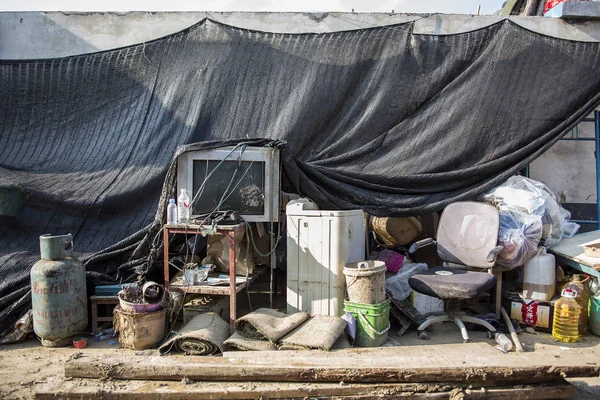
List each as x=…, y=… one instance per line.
x=597, y=122
x=511, y=329
x=579, y=221
x=579, y=139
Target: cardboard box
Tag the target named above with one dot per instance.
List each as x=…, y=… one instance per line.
x=538, y=314
x=203, y=304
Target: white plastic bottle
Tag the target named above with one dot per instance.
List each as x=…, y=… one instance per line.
x=183, y=207
x=172, y=212
x=540, y=276
x=504, y=343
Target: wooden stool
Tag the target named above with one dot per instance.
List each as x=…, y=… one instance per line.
x=96, y=300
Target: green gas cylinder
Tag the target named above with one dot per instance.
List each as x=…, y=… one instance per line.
x=58, y=292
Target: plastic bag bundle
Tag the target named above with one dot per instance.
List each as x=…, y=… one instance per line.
x=397, y=286
x=531, y=197
x=393, y=260
x=520, y=235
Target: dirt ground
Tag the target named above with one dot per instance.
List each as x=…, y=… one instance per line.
x=27, y=366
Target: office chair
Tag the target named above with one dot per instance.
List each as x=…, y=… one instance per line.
x=466, y=240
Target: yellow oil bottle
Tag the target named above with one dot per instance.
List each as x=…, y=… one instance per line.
x=567, y=311
x=577, y=284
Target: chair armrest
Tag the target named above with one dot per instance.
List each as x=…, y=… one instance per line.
x=494, y=253
x=420, y=243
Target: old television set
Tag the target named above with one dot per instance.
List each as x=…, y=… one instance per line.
x=244, y=179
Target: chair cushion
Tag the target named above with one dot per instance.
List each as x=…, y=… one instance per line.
x=448, y=283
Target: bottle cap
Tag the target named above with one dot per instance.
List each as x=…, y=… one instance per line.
x=183, y=191
x=172, y=201
x=569, y=293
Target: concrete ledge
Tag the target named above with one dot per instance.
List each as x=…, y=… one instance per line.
x=29, y=35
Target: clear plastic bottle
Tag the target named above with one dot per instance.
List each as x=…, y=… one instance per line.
x=504, y=342
x=183, y=207
x=578, y=285
x=565, y=326
x=172, y=212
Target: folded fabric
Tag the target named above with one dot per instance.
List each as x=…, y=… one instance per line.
x=239, y=342
x=203, y=335
x=320, y=332
x=268, y=324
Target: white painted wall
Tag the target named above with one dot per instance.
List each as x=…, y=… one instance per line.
x=568, y=167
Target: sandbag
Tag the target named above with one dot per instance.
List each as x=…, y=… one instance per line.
x=319, y=332
x=204, y=335
x=240, y=342
x=396, y=232
x=268, y=324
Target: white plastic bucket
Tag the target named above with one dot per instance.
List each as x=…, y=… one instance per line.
x=365, y=282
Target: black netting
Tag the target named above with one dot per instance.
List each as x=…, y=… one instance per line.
x=381, y=119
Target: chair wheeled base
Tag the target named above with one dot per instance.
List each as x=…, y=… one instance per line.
x=458, y=319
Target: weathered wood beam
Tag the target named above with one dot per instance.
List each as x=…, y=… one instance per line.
x=223, y=369
x=276, y=390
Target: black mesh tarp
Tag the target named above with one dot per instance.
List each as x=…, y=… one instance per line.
x=381, y=119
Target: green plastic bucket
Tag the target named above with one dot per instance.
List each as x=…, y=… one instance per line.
x=372, y=322
x=594, y=320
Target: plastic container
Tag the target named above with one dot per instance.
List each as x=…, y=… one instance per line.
x=595, y=316
x=137, y=307
x=139, y=331
x=372, y=322
x=365, y=281
x=172, y=216
x=539, y=280
x=193, y=276
x=565, y=326
x=577, y=285
x=183, y=207
x=319, y=244
x=80, y=343
x=504, y=342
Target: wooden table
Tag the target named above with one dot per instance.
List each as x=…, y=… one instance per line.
x=228, y=230
x=570, y=252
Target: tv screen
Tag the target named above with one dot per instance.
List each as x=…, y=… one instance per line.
x=239, y=185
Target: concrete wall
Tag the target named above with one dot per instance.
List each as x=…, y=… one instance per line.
x=25, y=35
x=568, y=168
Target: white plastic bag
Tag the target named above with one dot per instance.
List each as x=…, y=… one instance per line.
x=520, y=235
x=534, y=198
x=397, y=286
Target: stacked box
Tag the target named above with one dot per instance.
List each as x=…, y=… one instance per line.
x=203, y=304
x=534, y=313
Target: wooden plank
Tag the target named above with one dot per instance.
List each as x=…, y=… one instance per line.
x=277, y=390
x=227, y=369
x=572, y=249
x=179, y=285
x=197, y=229
x=207, y=289
x=232, y=286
